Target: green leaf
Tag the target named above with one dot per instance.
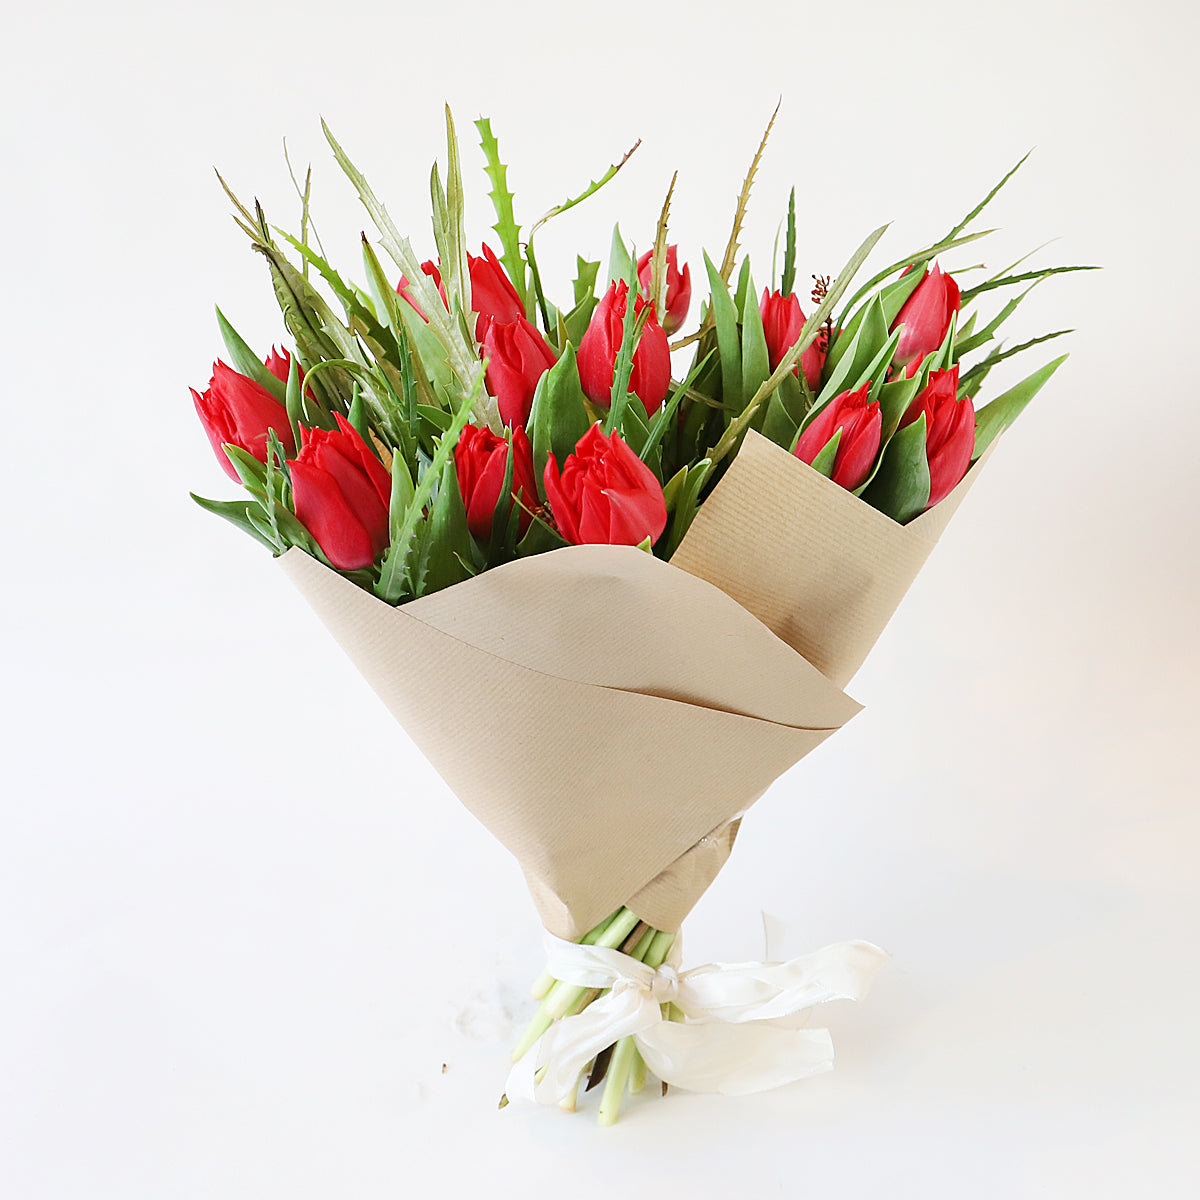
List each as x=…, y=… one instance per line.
x=558, y=418
x=743, y=202
x=894, y=398
x=995, y=417
x=631, y=329
x=987, y=199
x=978, y=373
x=237, y=512
x=591, y=189
x=827, y=455
x=251, y=472
x=246, y=362
x=756, y=362
x=788, y=280
x=447, y=548
x=728, y=342
x=1024, y=277
x=900, y=488
x=966, y=341
x=506, y=227
x=786, y=410
x=585, y=279
x=620, y=261
x=665, y=420
x=850, y=369
x=686, y=500
x=540, y=538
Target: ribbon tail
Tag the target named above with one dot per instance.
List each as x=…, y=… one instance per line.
x=571, y=1043
x=734, y=1060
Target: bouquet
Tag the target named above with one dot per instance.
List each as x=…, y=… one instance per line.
x=613, y=601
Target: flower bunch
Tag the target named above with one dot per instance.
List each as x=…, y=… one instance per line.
x=451, y=418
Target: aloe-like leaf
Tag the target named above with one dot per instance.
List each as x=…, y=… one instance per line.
x=506, y=227
x=245, y=361
x=900, y=488
x=993, y=418
x=725, y=319
x=743, y=202
x=737, y=428
x=966, y=340
x=459, y=351
x=1024, y=277
x=447, y=549
x=658, y=256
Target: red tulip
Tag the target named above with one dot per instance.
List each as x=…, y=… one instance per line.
x=679, y=287
x=237, y=411
x=518, y=356
x=481, y=459
x=279, y=363
x=783, y=322
x=493, y=296
x=949, y=431
x=605, y=493
x=861, y=424
x=341, y=493
x=926, y=316
x=650, y=379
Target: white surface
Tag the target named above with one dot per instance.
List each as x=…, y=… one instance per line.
x=216, y=844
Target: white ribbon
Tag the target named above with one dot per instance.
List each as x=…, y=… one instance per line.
x=739, y=1036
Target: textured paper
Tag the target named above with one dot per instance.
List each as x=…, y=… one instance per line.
x=821, y=569
x=610, y=716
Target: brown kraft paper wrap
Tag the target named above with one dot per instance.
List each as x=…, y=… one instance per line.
x=609, y=716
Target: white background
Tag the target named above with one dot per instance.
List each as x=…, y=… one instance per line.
x=243, y=926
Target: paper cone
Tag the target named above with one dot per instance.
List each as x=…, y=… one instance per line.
x=601, y=711
x=609, y=716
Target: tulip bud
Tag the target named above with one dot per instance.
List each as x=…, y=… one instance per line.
x=493, y=296
x=861, y=424
x=235, y=410
x=605, y=494
x=783, y=323
x=679, y=287
x=650, y=379
x=926, y=316
x=481, y=460
x=341, y=493
x=949, y=431
x=518, y=356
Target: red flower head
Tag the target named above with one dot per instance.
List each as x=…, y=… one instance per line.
x=926, y=316
x=237, y=411
x=650, y=379
x=518, y=356
x=949, y=431
x=605, y=493
x=481, y=459
x=783, y=322
x=679, y=287
x=341, y=493
x=861, y=425
x=493, y=296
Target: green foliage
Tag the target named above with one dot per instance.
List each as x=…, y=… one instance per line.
x=506, y=227
x=992, y=419
x=558, y=418
x=900, y=488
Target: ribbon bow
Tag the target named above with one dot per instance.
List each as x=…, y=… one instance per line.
x=726, y=1045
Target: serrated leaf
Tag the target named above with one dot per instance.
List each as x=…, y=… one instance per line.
x=993, y=418
x=1024, y=277
x=978, y=373
x=743, y=202
x=788, y=279
x=987, y=199
x=506, y=227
